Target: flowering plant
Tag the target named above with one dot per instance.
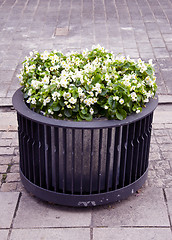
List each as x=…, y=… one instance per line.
x=82, y=86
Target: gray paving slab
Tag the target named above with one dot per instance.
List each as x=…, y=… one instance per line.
x=168, y=192
x=8, y=120
x=132, y=233
x=50, y=234
x=33, y=213
x=4, y=234
x=146, y=209
x=129, y=27
x=163, y=114
x=8, y=205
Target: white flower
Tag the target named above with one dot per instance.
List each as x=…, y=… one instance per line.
x=138, y=110
x=33, y=101
x=55, y=95
x=20, y=77
x=116, y=98
x=121, y=101
x=91, y=111
x=72, y=100
x=50, y=111
x=133, y=96
x=35, y=84
x=44, y=56
x=132, y=88
x=46, y=80
x=105, y=107
x=28, y=100
x=66, y=95
x=150, y=62
x=47, y=100
x=31, y=54
x=85, y=52
x=80, y=90
x=29, y=92
x=64, y=82
x=146, y=100
x=139, y=85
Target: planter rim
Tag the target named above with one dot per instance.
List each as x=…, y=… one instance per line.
x=21, y=107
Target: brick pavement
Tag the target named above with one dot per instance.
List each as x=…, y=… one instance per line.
x=140, y=28
x=146, y=214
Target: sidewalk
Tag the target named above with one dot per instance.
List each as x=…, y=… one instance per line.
x=140, y=28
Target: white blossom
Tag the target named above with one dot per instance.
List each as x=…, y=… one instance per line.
x=72, y=100
x=121, y=101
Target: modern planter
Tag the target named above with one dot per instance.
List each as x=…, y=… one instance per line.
x=83, y=163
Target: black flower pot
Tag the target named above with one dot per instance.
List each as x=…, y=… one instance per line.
x=83, y=163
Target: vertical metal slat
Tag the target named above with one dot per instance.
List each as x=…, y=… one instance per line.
x=108, y=157
x=123, y=155
x=64, y=160
x=99, y=160
x=91, y=164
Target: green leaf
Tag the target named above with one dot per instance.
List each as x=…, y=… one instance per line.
x=97, y=78
x=114, y=105
x=149, y=71
x=56, y=108
x=104, y=91
x=68, y=112
x=139, y=97
x=61, y=103
x=119, y=116
x=89, y=117
x=84, y=111
x=110, y=101
x=76, y=109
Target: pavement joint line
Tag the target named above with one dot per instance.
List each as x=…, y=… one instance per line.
x=122, y=226
x=14, y=215
x=91, y=233
x=168, y=212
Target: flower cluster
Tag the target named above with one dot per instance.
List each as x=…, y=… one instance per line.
x=87, y=85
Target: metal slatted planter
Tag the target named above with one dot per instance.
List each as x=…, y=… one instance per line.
x=83, y=163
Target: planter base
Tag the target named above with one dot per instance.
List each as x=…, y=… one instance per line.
x=83, y=164
x=83, y=200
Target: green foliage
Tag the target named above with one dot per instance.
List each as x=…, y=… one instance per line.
x=83, y=86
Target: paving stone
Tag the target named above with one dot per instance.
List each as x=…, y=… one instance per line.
x=168, y=192
x=166, y=147
x=162, y=139
x=131, y=233
x=5, y=159
x=161, y=52
x=8, y=121
x=15, y=159
x=3, y=168
x=6, y=150
x=4, y=234
x=9, y=135
x=36, y=213
x=7, y=208
x=9, y=187
x=5, y=142
x=167, y=155
x=14, y=168
x=49, y=234
x=157, y=43
x=159, y=117
x=13, y=177
x=138, y=211
x=154, y=156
